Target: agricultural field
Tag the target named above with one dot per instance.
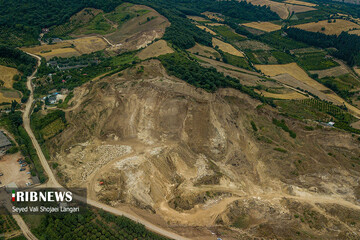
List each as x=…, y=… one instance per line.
x=226, y=47
x=342, y=69
x=293, y=70
x=300, y=3
x=205, y=51
x=236, y=61
x=88, y=45
x=216, y=16
x=317, y=60
x=282, y=9
x=278, y=41
x=228, y=33
x=289, y=96
x=63, y=49
x=6, y=75
x=154, y=50
x=253, y=45
x=356, y=32
x=197, y=19
x=7, y=93
x=69, y=48
x=8, y=226
x=206, y=29
x=309, y=109
x=334, y=27
x=76, y=22
x=263, y=26
x=268, y=57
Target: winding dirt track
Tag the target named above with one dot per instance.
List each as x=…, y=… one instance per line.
x=52, y=182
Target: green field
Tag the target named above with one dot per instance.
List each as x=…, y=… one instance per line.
x=227, y=33
x=315, y=61
x=269, y=57
x=276, y=40
x=235, y=60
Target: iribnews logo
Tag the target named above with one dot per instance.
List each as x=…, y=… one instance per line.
x=48, y=196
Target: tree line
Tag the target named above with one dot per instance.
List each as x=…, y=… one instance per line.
x=347, y=45
x=189, y=70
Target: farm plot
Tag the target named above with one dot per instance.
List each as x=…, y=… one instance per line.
x=282, y=9
x=6, y=75
x=296, y=2
x=263, y=26
x=63, y=49
x=356, y=32
x=228, y=33
x=331, y=28
x=197, y=18
x=206, y=29
x=342, y=69
x=226, y=47
x=315, y=61
x=9, y=95
x=293, y=70
x=291, y=74
x=205, y=51
x=216, y=16
x=69, y=48
x=245, y=77
x=253, y=45
x=154, y=50
x=88, y=45
x=285, y=96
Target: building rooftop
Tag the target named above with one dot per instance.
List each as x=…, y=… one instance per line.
x=4, y=141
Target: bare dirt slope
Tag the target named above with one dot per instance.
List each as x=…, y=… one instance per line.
x=155, y=49
x=139, y=31
x=191, y=158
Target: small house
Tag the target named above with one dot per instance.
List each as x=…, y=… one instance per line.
x=4, y=142
x=330, y=124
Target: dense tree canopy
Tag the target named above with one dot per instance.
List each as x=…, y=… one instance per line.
x=347, y=45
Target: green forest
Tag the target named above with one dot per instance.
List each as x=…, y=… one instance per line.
x=347, y=45
x=181, y=66
x=93, y=224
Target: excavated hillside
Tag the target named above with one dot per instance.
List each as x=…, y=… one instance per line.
x=192, y=158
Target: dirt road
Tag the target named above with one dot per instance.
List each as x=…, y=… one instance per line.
x=52, y=182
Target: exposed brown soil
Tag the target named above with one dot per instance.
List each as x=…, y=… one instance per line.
x=187, y=157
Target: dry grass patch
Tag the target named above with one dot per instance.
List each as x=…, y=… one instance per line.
x=7, y=74
x=285, y=96
x=9, y=95
x=301, y=3
x=263, y=26
x=88, y=45
x=215, y=16
x=154, y=50
x=207, y=29
x=330, y=28
x=63, y=49
x=282, y=9
x=356, y=32
x=215, y=24
x=226, y=47
x=291, y=74
x=69, y=48
x=197, y=18
x=204, y=51
x=293, y=70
